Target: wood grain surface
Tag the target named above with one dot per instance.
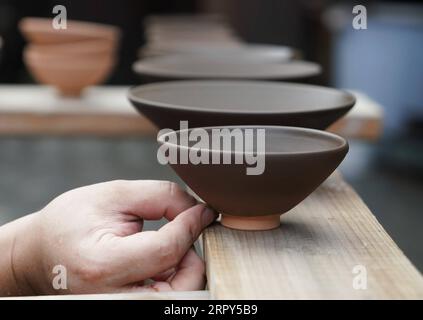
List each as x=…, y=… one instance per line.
x=313, y=255
x=174, y=295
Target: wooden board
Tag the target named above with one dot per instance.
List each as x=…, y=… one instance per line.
x=174, y=295
x=105, y=111
x=312, y=255
x=38, y=110
x=364, y=121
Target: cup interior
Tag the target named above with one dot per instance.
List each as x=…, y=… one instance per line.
x=252, y=97
x=235, y=139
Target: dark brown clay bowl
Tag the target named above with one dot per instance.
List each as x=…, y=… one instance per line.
x=192, y=67
x=297, y=161
x=218, y=103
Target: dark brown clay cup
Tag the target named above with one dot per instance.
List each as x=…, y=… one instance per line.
x=220, y=103
x=297, y=161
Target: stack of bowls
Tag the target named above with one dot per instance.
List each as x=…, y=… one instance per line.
x=69, y=59
x=182, y=48
x=178, y=34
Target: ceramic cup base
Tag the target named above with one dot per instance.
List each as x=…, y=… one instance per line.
x=258, y=223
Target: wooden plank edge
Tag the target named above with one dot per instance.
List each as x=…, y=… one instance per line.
x=171, y=295
x=68, y=124
x=370, y=129
x=26, y=124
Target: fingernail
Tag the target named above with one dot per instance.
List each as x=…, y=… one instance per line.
x=208, y=215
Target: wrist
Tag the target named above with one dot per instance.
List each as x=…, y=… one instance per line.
x=21, y=269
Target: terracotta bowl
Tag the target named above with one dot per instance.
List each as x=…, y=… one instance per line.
x=41, y=31
x=69, y=74
x=88, y=47
x=297, y=161
x=211, y=103
x=186, y=67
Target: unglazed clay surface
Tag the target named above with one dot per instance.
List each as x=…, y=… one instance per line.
x=217, y=103
x=297, y=161
x=184, y=67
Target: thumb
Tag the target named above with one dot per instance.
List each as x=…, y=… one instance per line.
x=180, y=234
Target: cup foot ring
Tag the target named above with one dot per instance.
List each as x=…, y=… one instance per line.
x=256, y=223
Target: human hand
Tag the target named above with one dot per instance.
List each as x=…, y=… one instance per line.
x=95, y=233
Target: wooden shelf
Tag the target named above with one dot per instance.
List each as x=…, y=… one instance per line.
x=174, y=295
x=105, y=111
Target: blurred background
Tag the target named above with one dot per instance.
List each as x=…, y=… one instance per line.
x=385, y=62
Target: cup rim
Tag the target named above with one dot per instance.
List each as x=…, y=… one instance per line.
x=133, y=91
x=343, y=143
x=148, y=67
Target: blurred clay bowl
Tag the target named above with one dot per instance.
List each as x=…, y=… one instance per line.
x=207, y=67
x=41, y=31
x=70, y=74
x=86, y=48
x=70, y=59
x=243, y=52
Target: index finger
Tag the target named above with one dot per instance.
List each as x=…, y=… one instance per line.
x=150, y=199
